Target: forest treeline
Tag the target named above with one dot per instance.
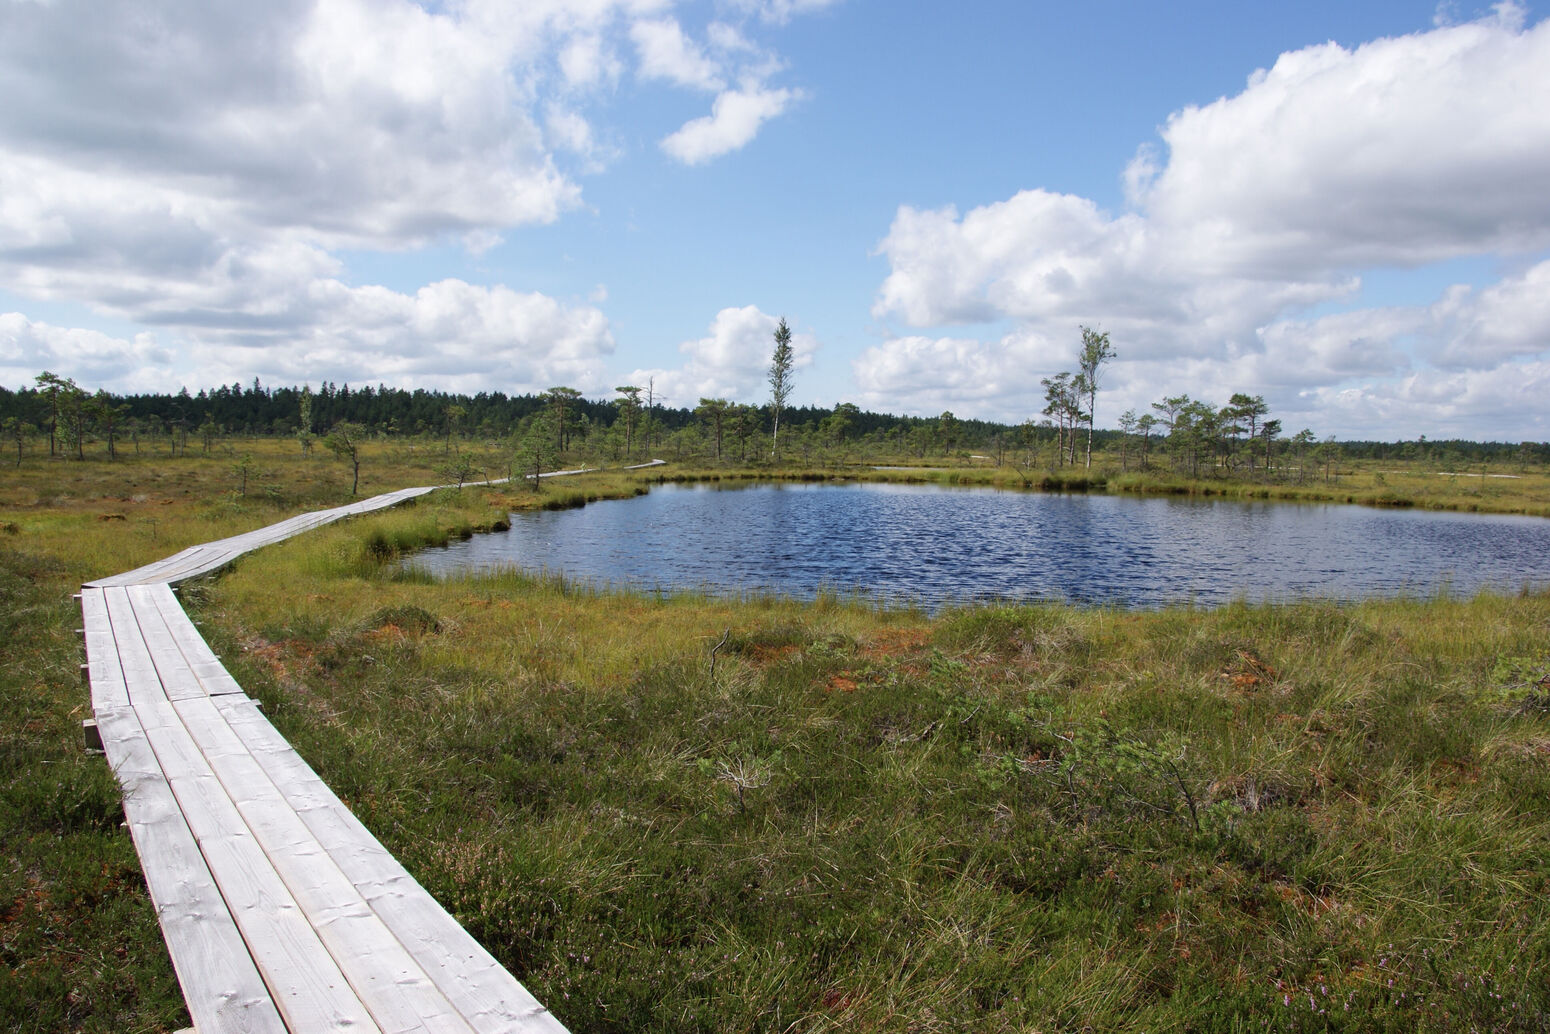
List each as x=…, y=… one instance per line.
x=256, y=409
x=1185, y=436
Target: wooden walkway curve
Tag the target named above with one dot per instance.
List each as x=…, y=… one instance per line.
x=280, y=910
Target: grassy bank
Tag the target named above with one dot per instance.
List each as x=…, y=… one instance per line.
x=79, y=945
x=1297, y=817
x=1367, y=483
x=695, y=814
x=1371, y=484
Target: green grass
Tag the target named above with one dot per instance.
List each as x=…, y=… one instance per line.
x=1291, y=817
x=1369, y=484
x=79, y=944
x=1002, y=819
x=1510, y=489
x=80, y=948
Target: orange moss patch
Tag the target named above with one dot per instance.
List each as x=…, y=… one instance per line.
x=1248, y=672
x=282, y=659
x=765, y=654
x=896, y=642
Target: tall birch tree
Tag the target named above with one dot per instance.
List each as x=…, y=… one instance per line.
x=1096, y=351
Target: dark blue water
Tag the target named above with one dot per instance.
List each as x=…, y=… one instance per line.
x=931, y=545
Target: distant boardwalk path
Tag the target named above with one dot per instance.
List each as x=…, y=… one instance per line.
x=280, y=910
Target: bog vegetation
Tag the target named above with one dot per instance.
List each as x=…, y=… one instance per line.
x=681, y=813
x=490, y=433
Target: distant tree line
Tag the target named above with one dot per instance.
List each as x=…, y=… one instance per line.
x=1448, y=452
x=56, y=416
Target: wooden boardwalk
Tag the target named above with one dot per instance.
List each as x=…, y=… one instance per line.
x=280, y=910
x=198, y=560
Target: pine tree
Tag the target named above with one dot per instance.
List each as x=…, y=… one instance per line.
x=780, y=379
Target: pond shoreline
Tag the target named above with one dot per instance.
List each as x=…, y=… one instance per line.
x=927, y=545
x=1357, y=488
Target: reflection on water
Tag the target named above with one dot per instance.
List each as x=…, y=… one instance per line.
x=913, y=543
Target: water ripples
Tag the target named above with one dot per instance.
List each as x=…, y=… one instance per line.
x=934, y=545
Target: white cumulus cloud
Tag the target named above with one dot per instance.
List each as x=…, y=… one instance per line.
x=1508, y=320
x=941, y=373
x=666, y=53
x=90, y=357
x=450, y=335
x=1257, y=216
x=732, y=361
x=780, y=11
x=1402, y=151
x=201, y=168
x=734, y=120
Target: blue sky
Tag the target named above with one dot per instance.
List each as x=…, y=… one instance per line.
x=1338, y=206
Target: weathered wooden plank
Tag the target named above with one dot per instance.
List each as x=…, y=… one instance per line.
x=212, y=674
x=182, y=569
x=189, y=559
x=140, y=677
x=328, y=918
x=220, y=983
x=219, y=980
x=156, y=603
x=306, y=522
x=387, y=979
x=104, y=671
x=177, y=678
x=304, y=980
x=296, y=861
x=301, y=976
x=210, y=556
x=476, y=984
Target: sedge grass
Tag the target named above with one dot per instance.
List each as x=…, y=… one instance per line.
x=80, y=948
x=1503, y=488
x=1298, y=816
x=1290, y=817
x=79, y=945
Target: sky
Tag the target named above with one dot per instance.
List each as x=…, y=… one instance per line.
x=1343, y=207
